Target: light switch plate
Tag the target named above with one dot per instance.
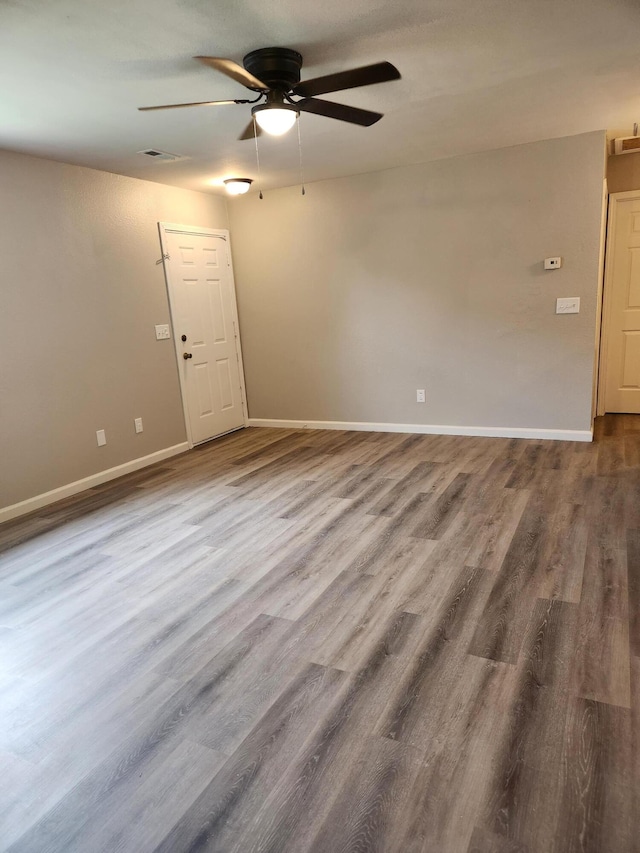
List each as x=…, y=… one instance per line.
x=552, y=263
x=101, y=438
x=162, y=332
x=568, y=305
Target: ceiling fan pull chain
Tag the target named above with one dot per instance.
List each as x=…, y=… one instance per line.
x=255, y=136
x=300, y=157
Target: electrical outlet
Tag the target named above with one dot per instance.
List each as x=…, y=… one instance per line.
x=162, y=332
x=138, y=424
x=101, y=437
x=421, y=396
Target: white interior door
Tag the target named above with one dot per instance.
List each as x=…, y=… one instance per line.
x=205, y=328
x=621, y=320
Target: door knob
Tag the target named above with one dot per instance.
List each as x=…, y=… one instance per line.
x=186, y=355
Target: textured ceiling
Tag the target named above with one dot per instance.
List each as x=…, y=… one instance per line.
x=475, y=75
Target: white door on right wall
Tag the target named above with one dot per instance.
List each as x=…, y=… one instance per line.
x=621, y=355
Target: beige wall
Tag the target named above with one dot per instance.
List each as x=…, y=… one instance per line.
x=350, y=298
x=79, y=296
x=370, y=287
x=623, y=172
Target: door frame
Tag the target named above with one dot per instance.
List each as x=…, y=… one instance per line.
x=164, y=229
x=614, y=198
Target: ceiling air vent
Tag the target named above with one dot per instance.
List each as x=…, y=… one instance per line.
x=159, y=155
x=626, y=145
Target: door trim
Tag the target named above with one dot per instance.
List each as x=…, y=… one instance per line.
x=165, y=228
x=614, y=198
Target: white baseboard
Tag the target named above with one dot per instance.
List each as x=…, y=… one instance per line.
x=432, y=429
x=54, y=495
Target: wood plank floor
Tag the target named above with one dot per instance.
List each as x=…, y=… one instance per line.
x=293, y=641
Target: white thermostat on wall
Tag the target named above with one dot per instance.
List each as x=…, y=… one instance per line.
x=552, y=263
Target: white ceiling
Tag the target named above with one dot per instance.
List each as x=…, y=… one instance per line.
x=475, y=75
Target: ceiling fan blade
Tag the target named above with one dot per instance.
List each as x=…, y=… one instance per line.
x=251, y=130
x=365, y=76
x=195, y=104
x=235, y=71
x=353, y=115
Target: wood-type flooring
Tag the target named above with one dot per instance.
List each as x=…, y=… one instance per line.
x=330, y=642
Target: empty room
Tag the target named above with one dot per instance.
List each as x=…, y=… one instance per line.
x=320, y=427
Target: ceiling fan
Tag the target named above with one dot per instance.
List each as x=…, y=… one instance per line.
x=274, y=74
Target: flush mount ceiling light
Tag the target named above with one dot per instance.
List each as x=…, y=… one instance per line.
x=275, y=118
x=238, y=186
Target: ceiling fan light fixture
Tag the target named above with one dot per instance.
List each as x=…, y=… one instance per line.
x=238, y=186
x=275, y=119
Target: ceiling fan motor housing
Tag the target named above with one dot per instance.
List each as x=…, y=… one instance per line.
x=278, y=67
